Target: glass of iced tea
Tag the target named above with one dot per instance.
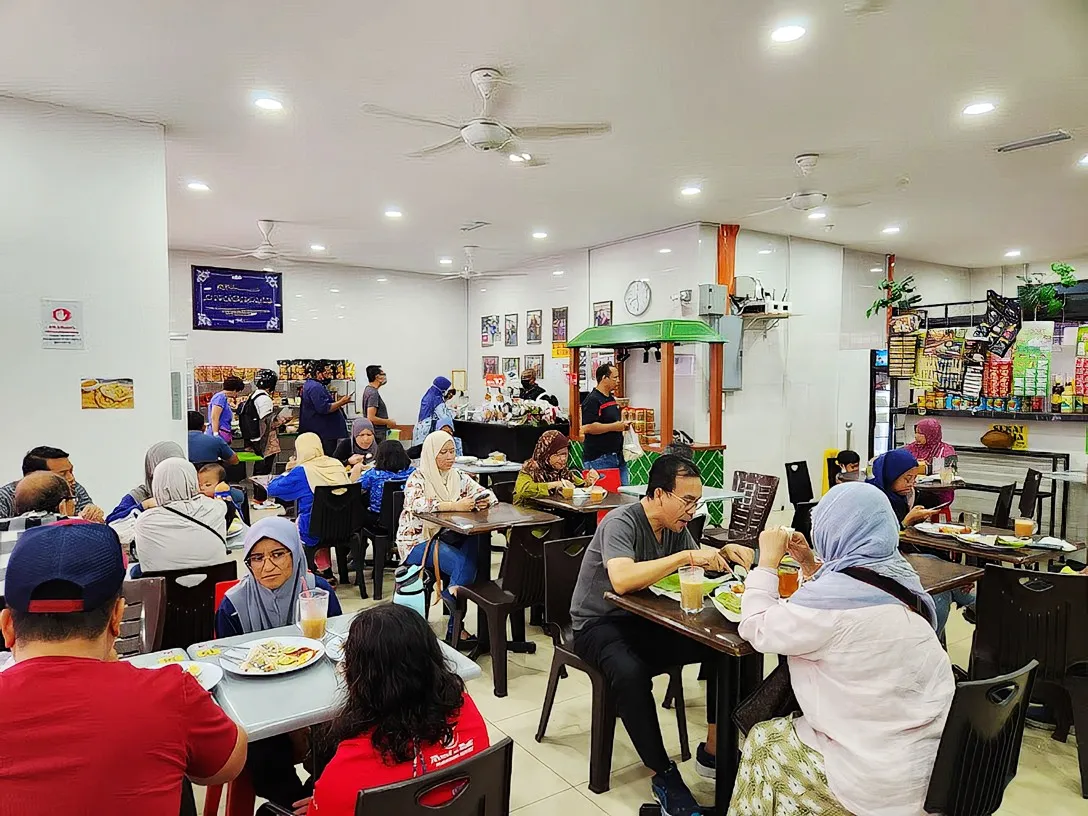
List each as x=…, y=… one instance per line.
x=789, y=579
x=313, y=611
x=691, y=589
x=1024, y=527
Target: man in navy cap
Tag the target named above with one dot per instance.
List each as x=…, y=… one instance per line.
x=83, y=733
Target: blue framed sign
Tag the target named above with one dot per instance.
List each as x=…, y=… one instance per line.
x=237, y=300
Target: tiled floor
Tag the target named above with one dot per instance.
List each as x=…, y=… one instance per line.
x=551, y=778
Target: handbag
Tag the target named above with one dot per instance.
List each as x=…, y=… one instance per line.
x=774, y=698
x=409, y=586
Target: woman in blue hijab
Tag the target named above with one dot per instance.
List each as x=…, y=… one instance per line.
x=431, y=408
x=894, y=473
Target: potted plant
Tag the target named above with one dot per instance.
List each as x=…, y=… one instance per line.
x=1039, y=296
x=898, y=294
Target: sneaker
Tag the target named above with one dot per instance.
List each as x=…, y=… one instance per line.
x=1040, y=716
x=673, y=795
x=705, y=762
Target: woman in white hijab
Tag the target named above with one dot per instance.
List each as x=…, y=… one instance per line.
x=185, y=529
x=437, y=486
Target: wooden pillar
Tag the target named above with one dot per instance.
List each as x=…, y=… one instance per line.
x=727, y=256
x=667, y=392
x=889, y=271
x=717, y=364
x=574, y=403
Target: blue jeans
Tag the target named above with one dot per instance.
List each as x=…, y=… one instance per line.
x=943, y=602
x=458, y=562
x=609, y=460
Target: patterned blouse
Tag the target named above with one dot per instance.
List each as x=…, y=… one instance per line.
x=410, y=529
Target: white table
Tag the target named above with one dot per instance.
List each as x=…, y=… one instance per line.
x=267, y=706
x=153, y=660
x=1070, y=476
x=477, y=470
x=709, y=493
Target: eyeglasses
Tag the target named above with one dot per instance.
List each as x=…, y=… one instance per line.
x=277, y=557
x=689, y=504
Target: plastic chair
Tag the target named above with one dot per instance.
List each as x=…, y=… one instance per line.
x=799, y=486
x=695, y=527
x=749, y=515
x=504, y=491
x=610, y=479
x=1003, y=507
x=382, y=535
x=336, y=521
x=190, y=602
x=144, y=617
x=1025, y=615
x=980, y=745
x=1029, y=496
x=562, y=562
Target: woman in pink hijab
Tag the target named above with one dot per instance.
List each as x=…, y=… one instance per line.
x=928, y=445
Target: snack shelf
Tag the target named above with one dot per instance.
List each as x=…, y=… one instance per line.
x=1028, y=416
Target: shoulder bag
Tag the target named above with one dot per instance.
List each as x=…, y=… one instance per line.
x=409, y=587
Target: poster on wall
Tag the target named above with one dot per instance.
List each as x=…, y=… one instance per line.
x=560, y=351
x=62, y=324
x=533, y=327
x=100, y=393
x=510, y=336
x=535, y=362
x=489, y=329
x=491, y=365
x=511, y=366
x=559, y=325
x=602, y=313
x=459, y=379
x=1019, y=434
x=237, y=300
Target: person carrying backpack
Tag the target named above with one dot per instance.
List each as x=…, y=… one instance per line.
x=259, y=421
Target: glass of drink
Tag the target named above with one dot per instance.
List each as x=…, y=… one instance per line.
x=948, y=475
x=313, y=611
x=789, y=579
x=973, y=521
x=691, y=589
x=1024, y=527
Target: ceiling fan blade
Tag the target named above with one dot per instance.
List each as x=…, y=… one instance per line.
x=445, y=278
x=378, y=110
x=848, y=205
x=436, y=149
x=542, y=132
x=763, y=212
x=241, y=250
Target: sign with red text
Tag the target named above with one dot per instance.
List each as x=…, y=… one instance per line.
x=62, y=324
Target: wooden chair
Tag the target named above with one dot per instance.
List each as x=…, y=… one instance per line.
x=562, y=561
x=382, y=535
x=749, y=515
x=336, y=520
x=145, y=615
x=190, y=602
x=980, y=746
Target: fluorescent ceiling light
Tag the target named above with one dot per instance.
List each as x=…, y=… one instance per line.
x=445, y=261
x=766, y=251
x=788, y=33
x=977, y=108
x=664, y=250
x=817, y=216
x=1013, y=253
x=198, y=186
x=393, y=213
x=890, y=230
x=558, y=272
x=317, y=247
x=540, y=234
x=691, y=190
x=268, y=103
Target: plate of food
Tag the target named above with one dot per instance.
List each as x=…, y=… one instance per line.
x=466, y=460
x=207, y=674
x=942, y=530
x=726, y=599
x=272, y=656
x=489, y=463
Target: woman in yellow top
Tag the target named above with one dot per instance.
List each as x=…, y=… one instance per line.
x=547, y=471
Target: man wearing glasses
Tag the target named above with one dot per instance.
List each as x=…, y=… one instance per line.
x=41, y=498
x=635, y=546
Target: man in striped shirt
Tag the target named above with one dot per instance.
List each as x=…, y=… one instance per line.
x=56, y=461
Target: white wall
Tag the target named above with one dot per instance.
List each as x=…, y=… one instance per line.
x=83, y=217
x=411, y=325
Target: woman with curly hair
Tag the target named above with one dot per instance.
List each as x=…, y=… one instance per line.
x=406, y=713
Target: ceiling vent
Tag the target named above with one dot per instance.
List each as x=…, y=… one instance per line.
x=1035, y=141
x=469, y=226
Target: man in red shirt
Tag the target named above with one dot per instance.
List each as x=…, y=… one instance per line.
x=82, y=733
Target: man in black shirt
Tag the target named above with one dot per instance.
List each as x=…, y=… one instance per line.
x=603, y=426
x=529, y=388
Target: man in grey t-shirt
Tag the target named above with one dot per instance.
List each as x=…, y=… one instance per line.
x=374, y=406
x=635, y=546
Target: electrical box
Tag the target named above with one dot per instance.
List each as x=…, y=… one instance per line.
x=732, y=329
x=713, y=298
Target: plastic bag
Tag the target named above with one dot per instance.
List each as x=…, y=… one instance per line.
x=632, y=450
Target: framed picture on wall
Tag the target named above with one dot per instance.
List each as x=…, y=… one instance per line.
x=559, y=325
x=602, y=313
x=510, y=366
x=533, y=327
x=536, y=363
x=489, y=329
x=511, y=335
x=491, y=365
x=459, y=379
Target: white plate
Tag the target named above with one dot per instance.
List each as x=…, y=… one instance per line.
x=209, y=676
x=734, y=617
x=487, y=463
x=335, y=648
x=233, y=667
x=934, y=530
x=465, y=460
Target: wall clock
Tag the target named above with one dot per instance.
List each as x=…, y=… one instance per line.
x=637, y=297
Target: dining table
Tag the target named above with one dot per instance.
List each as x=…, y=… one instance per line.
x=710, y=494
x=936, y=485
x=1014, y=556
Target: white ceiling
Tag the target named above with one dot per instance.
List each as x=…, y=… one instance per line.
x=694, y=89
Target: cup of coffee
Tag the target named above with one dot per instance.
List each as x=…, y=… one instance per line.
x=313, y=612
x=691, y=589
x=1024, y=527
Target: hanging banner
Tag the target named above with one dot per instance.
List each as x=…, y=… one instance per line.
x=237, y=300
x=560, y=351
x=62, y=324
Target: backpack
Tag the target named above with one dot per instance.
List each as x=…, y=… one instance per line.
x=250, y=423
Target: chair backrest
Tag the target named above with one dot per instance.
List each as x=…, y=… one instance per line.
x=504, y=491
x=392, y=506
x=481, y=784
x=798, y=482
x=610, y=479
x=145, y=614
x=1003, y=507
x=695, y=527
x=832, y=471
x=749, y=515
x=190, y=602
x=221, y=590
x=1024, y=615
x=523, y=564
x=1029, y=496
x=562, y=562
x=980, y=745
x=337, y=513
x=414, y=452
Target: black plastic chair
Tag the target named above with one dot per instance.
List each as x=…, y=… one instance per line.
x=1029, y=496
x=799, y=486
x=504, y=491
x=144, y=617
x=336, y=521
x=562, y=561
x=1002, y=516
x=1025, y=615
x=482, y=783
x=695, y=527
x=980, y=745
x=383, y=534
x=190, y=606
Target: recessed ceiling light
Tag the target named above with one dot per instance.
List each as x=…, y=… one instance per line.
x=1083, y=160
x=977, y=108
x=314, y=318
x=317, y=247
x=268, y=103
x=890, y=230
x=268, y=269
x=294, y=320
x=788, y=33
x=817, y=216
x=690, y=190
x=298, y=295
x=382, y=280
x=339, y=317
x=876, y=269
x=515, y=157
x=1013, y=253
x=198, y=186
x=540, y=234
x=664, y=250
x=335, y=291
x=445, y=261
x=558, y=272
x=393, y=213
x=527, y=157
x=483, y=290
x=766, y=251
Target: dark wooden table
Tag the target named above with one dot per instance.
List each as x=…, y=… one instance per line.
x=610, y=502
x=940, y=576
x=1017, y=556
x=955, y=484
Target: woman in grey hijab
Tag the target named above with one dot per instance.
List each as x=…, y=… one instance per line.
x=140, y=498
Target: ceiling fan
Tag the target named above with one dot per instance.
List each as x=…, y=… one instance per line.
x=811, y=199
x=267, y=251
x=487, y=134
x=469, y=273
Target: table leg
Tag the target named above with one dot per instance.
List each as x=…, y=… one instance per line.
x=737, y=678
